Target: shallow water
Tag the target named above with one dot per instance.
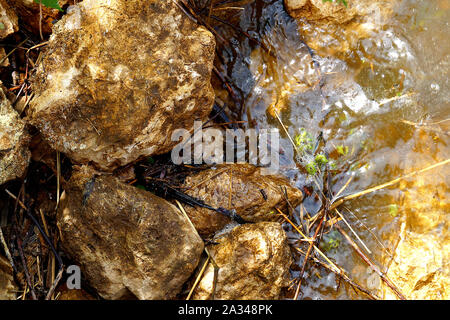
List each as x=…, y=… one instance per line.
x=384, y=102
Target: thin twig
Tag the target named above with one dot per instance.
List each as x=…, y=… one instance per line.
x=387, y=184
x=375, y=268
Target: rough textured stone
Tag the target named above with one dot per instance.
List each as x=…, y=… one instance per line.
x=14, y=139
x=119, y=77
x=7, y=285
x=330, y=27
x=126, y=239
x=8, y=20
x=421, y=267
x=71, y=294
x=213, y=187
x=327, y=11
x=3, y=58
x=254, y=261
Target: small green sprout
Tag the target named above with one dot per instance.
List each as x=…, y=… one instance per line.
x=2, y=26
x=304, y=141
x=321, y=160
x=393, y=210
x=311, y=168
x=342, y=150
x=140, y=186
x=344, y=2
x=331, y=241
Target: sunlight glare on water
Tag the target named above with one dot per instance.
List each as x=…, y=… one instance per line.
x=383, y=98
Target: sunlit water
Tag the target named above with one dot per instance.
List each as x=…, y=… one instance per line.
x=365, y=101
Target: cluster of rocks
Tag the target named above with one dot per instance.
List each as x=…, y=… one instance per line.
x=117, y=79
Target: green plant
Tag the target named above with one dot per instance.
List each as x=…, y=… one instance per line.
x=54, y=4
x=393, y=210
x=321, y=160
x=344, y=2
x=304, y=141
x=331, y=241
x=311, y=168
x=342, y=150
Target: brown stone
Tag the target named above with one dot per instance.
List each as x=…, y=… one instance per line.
x=8, y=20
x=331, y=28
x=253, y=261
x=246, y=185
x=7, y=286
x=119, y=77
x=126, y=240
x=14, y=139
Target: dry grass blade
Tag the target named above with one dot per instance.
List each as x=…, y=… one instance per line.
x=287, y=133
x=297, y=291
x=344, y=276
x=387, y=184
x=383, y=277
x=199, y=277
x=353, y=231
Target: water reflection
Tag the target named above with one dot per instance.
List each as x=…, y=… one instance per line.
x=379, y=91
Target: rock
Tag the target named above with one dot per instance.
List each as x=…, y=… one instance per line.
x=7, y=286
x=119, y=77
x=29, y=13
x=330, y=27
x=14, y=139
x=73, y=294
x=420, y=268
x=321, y=10
x=3, y=58
x=253, y=261
x=126, y=240
x=8, y=20
x=213, y=187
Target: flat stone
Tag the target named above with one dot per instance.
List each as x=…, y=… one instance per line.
x=119, y=77
x=253, y=261
x=14, y=140
x=247, y=187
x=8, y=20
x=8, y=287
x=128, y=242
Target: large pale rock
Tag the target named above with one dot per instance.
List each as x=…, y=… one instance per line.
x=126, y=239
x=14, y=139
x=8, y=20
x=247, y=187
x=253, y=261
x=119, y=77
x=7, y=286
